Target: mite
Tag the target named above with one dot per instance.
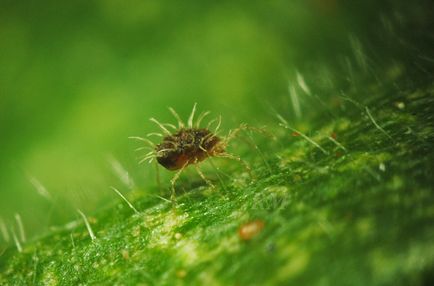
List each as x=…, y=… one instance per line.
x=189, y=144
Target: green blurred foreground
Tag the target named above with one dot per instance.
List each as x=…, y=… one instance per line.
x=344, y=191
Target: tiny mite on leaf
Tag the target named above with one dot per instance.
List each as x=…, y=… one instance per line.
x=189, y=144
x=251, y=229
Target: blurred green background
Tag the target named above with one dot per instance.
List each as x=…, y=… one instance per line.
x=78, y=77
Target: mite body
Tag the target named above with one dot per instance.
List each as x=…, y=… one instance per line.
x=189, y=145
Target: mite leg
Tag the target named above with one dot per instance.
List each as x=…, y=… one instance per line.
x=157, y=176
x=236, y=158
x=249, y=141
x=234, y=132
x=203, y=176
x=173, y=181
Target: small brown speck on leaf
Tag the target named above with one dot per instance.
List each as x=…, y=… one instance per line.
x=251, y=229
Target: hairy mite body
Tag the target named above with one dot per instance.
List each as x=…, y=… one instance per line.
x=188, y=146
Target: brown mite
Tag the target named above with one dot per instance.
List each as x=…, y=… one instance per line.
x=189, y=145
